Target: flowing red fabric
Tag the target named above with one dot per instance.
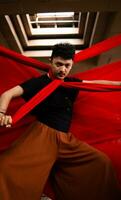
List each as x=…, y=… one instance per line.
x=97, y=110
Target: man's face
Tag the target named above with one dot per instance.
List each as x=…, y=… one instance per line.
x=60, y=67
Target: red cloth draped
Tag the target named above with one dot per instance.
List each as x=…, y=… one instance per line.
x=97, y=110
x=98, y=48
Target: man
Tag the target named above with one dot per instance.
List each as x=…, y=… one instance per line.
x=77, y=170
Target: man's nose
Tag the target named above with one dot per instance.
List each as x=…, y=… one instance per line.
x=63, y=68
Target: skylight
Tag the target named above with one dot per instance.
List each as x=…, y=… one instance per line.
x=54, y=22
x=55, y=14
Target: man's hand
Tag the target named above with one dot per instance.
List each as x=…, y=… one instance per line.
x=5, y=120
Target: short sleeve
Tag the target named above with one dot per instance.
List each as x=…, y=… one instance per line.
x=31, y=87
x=73, y=79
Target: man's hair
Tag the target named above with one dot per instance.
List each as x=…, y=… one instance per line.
x=63, y=50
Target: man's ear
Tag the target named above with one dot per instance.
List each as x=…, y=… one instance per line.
x=50, y=60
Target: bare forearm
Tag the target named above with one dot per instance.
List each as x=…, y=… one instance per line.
x=105, y=82
x=5, y=99
x=4, y=102
x=7, y=96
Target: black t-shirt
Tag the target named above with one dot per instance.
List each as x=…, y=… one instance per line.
x=56, y=110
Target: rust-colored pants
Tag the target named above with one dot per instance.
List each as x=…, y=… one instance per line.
x=84, y=172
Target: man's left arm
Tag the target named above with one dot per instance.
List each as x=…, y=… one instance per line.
x=105, y=82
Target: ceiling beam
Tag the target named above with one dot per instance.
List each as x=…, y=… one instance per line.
x=35, y=6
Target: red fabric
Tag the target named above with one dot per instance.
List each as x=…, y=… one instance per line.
x=13, y=72
x=98, y=48
x=97, y=111
x=97, y=116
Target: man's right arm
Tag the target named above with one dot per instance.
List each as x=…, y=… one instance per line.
x=5, y=99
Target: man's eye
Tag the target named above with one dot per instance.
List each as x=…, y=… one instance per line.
x=58, y=64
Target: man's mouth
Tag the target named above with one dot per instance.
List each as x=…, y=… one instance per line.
x=61, y=74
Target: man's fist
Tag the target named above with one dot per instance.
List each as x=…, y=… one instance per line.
x=5, y=120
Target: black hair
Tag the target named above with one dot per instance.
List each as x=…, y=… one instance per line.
x=63, y=50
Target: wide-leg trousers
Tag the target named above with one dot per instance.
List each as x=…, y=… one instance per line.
x=78, y=171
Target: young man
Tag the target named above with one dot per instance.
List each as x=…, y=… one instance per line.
x=77, y=170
